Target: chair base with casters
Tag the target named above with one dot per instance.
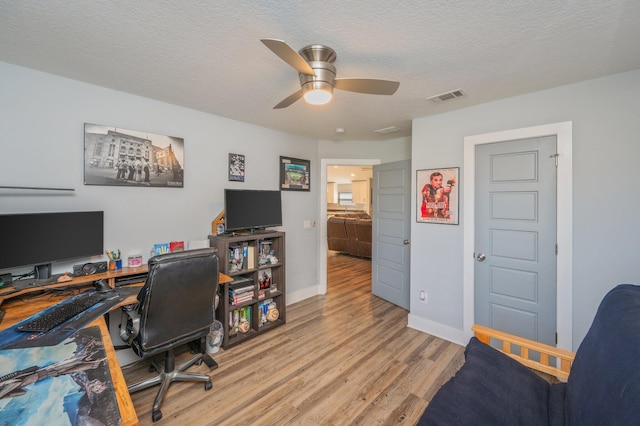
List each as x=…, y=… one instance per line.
x=168, y=373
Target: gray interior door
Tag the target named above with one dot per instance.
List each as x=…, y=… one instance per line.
x=515, y=241
x=390, y=256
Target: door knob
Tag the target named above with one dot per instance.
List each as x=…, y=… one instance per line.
x=481, y=257
x=405, y=242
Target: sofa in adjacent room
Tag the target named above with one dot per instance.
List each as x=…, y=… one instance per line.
x=603, y=379
x=350, y=233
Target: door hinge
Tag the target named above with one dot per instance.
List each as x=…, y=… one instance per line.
x=556, y=155
x=556, y=249
x=556, y=337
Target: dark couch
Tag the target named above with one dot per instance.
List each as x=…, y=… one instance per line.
x=603, y=387
x=350, y=233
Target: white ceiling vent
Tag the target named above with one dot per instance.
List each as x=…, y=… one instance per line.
x=387, y=130
x=454, y=94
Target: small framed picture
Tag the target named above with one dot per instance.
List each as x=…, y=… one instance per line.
x=437, y=197
x=295, y=174
x=236, y=167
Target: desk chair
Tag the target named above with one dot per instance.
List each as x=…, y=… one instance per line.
x=176, y=306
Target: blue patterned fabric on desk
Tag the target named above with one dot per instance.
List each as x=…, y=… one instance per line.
x=69, y=383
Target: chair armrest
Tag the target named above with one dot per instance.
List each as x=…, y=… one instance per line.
x=129, y=323
x=485, y=334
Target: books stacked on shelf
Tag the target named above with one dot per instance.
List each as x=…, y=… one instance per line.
x=241, y=291
x=239, y=320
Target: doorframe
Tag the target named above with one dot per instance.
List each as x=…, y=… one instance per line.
x=564, y=205
x=324, y=162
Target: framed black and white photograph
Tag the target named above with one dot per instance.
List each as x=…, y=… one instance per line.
x=236, y=167
x=121, y=157
x=295, y=174
x=437, y=196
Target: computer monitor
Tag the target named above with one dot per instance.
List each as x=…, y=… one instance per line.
x=39, y=239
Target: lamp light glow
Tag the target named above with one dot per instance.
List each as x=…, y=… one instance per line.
x=316, y=92
x=317, y=97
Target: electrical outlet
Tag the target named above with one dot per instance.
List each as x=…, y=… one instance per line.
x=423, y=296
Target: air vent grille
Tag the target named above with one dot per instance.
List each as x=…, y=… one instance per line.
x=387, y=130
x=447, y=96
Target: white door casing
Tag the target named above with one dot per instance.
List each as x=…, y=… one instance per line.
x=564, y=273
x=322, y=260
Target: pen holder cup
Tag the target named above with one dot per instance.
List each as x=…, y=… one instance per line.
x=112, y=265
x=118, y=265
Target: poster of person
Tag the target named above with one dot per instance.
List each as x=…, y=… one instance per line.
x=437, y=200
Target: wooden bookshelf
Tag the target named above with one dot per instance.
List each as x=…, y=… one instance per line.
x=257, y=264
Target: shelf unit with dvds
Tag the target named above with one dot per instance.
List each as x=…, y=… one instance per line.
x=254, y=302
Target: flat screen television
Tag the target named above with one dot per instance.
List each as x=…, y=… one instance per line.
x=39, y=239
x=246, y=209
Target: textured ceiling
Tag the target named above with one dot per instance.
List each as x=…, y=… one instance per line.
x=207, y=55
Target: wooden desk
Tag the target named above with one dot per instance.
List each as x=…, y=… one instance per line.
x=17, y=310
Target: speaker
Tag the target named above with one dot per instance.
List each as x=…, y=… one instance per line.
x=89, y=268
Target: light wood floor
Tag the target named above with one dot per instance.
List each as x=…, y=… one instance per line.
x=344, y=358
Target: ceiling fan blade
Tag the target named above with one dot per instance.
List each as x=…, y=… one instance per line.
x=367, y=85
x=289, y=100
x=287, y=54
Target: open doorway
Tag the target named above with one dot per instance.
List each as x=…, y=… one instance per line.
x=341, y=181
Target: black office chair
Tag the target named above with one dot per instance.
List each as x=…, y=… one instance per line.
x=176, y=306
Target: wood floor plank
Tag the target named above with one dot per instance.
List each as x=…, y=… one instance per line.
x=343, y=358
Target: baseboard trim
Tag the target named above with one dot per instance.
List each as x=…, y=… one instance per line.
x=439, y=330
x=300, y=295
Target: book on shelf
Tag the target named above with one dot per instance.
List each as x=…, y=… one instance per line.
x=241, y=290
x=239, y=300
x=251, y=257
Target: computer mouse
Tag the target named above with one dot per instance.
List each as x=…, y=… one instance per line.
x=102, y=286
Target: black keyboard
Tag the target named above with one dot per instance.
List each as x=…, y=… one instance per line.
x=63, y=312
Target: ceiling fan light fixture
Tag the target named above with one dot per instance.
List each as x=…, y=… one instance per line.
x=318, y=97
x=317, y=93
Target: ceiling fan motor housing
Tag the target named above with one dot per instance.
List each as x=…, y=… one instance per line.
x=321, y=59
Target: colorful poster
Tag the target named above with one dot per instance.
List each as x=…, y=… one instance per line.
x=437, y=197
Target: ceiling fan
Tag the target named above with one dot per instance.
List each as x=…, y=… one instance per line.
x=317, y=73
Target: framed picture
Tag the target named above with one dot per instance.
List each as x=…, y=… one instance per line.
x=121, y=157
x=236, y=167
x=294, y=174
x=437, y=196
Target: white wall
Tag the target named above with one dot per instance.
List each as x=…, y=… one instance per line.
x=606, y=200
x=42, y=145
x=387, y=151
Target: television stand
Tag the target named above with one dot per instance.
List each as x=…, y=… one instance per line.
x=256, y=262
